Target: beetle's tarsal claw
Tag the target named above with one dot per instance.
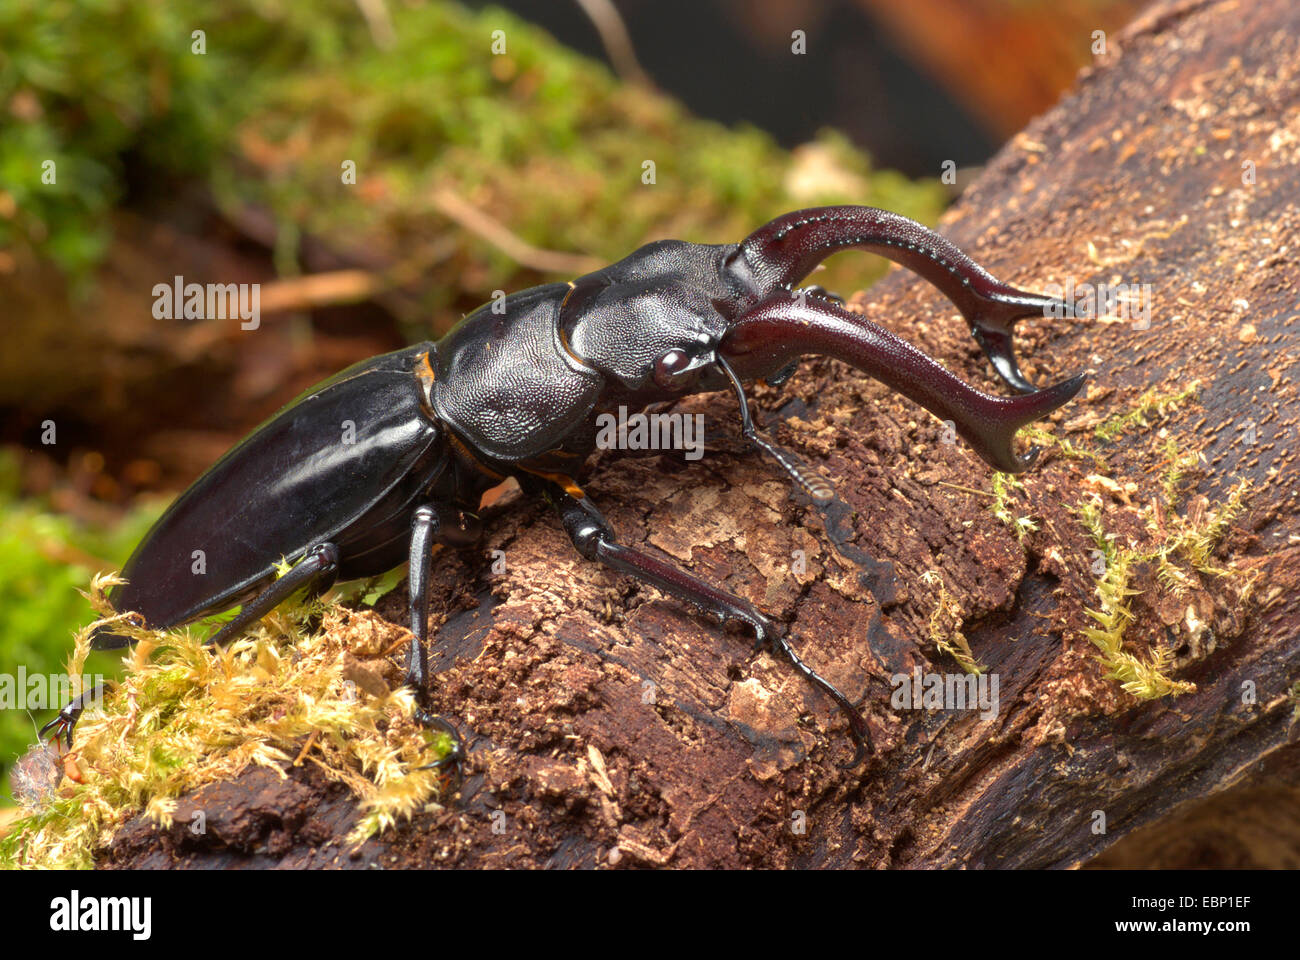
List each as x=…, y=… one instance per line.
x=862, y=750
x=858, y=729
x=65, y=723
x=456, y=756
x=61, y=728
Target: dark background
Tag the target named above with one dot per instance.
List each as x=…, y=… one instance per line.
x=732, y=66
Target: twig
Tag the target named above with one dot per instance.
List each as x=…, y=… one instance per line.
x=311, y=742
x=319, y=290
x=379, y=22
x=496, y=233
x=958, y=486
x=614, y=37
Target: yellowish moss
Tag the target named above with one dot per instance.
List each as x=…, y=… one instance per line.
x=946, y=623
x=1151, y=404
x=1197, y=541
x=1004, y=486
x=1188, y=540
x=186, y=714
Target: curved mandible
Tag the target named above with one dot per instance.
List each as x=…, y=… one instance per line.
x=782, y=328
x=781, y=253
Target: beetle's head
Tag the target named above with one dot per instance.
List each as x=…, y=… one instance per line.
x=652, y=323
x=677, y=318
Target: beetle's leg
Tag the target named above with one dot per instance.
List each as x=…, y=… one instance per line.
x=424, y=530
x=63, y=725
x=877, y=576
x=321, y=562
x=783, y=252
x=431, y=523
x=595, y=540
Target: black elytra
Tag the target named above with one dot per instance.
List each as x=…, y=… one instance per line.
x=375, y=465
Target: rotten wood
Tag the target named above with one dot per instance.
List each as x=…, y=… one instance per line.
x=613, y=727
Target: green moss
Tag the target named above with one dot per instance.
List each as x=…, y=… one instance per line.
x=545, y=141
x=1144, y=677
x=1177, y=467
x=1042, y=435
x=46, y=559
x=1186, y=542
x=1005, y=487
x=1151, y=404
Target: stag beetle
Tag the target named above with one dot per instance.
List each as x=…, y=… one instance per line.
x=517, y=393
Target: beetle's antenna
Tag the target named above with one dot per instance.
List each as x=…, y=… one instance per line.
x=807, y=479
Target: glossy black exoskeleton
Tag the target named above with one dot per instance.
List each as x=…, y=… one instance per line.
x=377, y=464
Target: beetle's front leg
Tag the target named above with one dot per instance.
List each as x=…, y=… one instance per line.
x=431, y=523
x=878, y=577
x=595, y=540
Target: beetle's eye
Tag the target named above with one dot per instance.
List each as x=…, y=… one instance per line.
x=669, y=365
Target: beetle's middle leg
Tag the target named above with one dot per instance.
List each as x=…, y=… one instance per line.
x=430, y=524
x=595, y=540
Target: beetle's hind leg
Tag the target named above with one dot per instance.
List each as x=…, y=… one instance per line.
x=317, y=569
x=595, y=540
x=62, y=726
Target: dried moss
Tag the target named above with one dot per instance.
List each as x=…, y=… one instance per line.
x=1188, y=540
x=186, y=714
x=945, y=625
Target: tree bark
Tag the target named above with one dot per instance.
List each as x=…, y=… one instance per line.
x=613, y=726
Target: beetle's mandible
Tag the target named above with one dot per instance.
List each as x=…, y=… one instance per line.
x=517, y=393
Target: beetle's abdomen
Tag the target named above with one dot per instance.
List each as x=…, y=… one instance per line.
x=304, y=477
x=505, y=381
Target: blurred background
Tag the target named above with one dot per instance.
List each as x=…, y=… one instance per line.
x=141, y=140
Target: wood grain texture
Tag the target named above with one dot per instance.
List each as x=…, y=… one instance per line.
x=614, y=727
